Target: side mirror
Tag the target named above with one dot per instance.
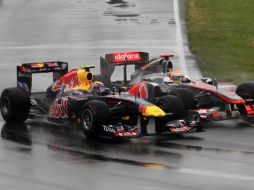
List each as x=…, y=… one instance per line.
x=211, y=81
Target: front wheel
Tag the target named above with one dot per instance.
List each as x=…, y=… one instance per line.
x=94, y=114
x=186, y=97
x=172, y=106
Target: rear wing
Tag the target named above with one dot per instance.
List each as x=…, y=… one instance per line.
x=107, y=64
x=25, y=71
x=127, y=58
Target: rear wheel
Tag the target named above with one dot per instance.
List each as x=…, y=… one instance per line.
x=246, y=91
x=172, y=105
x=93, y=115
x=15, y=105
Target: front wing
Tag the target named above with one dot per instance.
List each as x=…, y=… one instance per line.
x=181, y=126
x=119, y=131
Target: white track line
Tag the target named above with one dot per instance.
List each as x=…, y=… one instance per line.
x=179, y=39
x=216, y=174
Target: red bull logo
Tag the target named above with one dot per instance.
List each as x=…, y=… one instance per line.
x=59, y=109
x=69, y=80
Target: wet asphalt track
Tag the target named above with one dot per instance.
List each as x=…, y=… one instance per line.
x=41, y=156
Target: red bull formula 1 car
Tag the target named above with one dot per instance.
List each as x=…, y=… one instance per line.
x=76, y=97
x=202, y=100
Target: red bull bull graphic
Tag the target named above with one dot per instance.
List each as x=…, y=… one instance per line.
x=69, y=80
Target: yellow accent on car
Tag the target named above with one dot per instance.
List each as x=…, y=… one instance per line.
x=39, y=65
x=85, y=79
x=153, y=111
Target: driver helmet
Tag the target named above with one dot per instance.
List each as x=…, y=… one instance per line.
x=99, y=88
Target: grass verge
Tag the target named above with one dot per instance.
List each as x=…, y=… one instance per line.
x=221, y=35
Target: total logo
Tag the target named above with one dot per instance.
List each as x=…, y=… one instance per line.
x=127, y=56
x=109, y=129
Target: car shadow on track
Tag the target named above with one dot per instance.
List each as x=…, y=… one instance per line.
x=16, y=132
x=71, y=140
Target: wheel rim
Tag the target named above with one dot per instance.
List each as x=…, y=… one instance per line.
x=87, y=119
x=5, y=105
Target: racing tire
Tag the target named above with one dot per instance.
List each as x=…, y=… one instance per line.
x=242, y=110
x=186, y=97
x=15, y=105
x=94, y=113
x=169, y=104
x=246, y=91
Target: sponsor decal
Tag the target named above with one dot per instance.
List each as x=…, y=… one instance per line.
x=37, y=65
x=126, y=57
x=143, y=91
x=121, y=132
x=25, y=69
x=69, y=81
x=109, y=129
x=178, y=126
x=59, y=108
x=24, y=72
x=52, y=64
x=24, y=75
x=42, y=69
x=57, y=68
x=181, y=129
x=166, y=55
